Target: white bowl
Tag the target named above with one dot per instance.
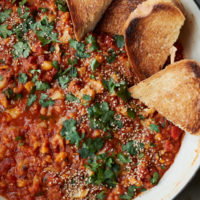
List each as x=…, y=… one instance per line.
x=188, y=159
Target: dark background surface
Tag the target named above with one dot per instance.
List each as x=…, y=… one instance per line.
x=192, y=191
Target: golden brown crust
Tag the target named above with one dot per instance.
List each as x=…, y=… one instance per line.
x=85, y=14
x=150, y=32
x=175, y=93
x=116, y=15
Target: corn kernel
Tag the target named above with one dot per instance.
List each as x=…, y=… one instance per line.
x=47, y=65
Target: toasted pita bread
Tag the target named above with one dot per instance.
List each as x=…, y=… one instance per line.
x=85, y=14
x=150, y=32
x=175, y=93
x=116, y=15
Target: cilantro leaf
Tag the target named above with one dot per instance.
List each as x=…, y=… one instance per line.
x=130, y=193
x=87, y=97
x=119, y=40
x=44, y=101
x=70, y=97
x=101, y=195
x=55, y=64
x=5, y=15
x=4, y=32
x=79, y=47
x=154, y=180
x=90, y=39
x=21, y=49
x=122, y=158
x=130, y=148
x=31, y=99
x=69, y=132
x=91, y=147
x=24, y=27
x=62, y=5
x=101, y=117
x=22, y=78
x=63, y=80
x=112, y=57
x=44, y=30
x=154, y=127
x=131, y=113
x=22, y=2
x=42, y=86
x=123, y=91
x=94, y=64
x=72, y=62
x=110, y=85
x=1, y=78
x=106, y=170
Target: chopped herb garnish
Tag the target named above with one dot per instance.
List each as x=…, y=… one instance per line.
x=130, y=193
x=44, y=30
x=141, y=117
x=122, y=158
x=32, y=98
x=119, y=39
x=87, y=97
x=101, y=195
x=18, y=138
x=94, y=64
x=141, y=156
x=130, y=148
x=45, y=101
x=131, y=113
x=123, y=91
x=22, y=2
x=70, y=133
x=154, y=180
x=101, y=117
x=80, y=48
x=1, y=78
x=5, y=15
x=62, y=5
x=21, y=49
x=91, y=147
x=90, y=39
x=154, y=127
x=43, y=10
x=55, y=64
x=163, y=167
x=4, y=32
x=110, y=85
x=22, y=78
x=70, y=97
x=112, y=57
x=42, y=86
x=9, y=93
x=105, y=169
x=63, y=80
x=72, y=62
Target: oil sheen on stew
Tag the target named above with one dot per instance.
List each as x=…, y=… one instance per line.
x=68, y=127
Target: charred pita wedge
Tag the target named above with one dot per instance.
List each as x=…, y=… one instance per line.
x=116, y=15
x=150, y=32
x=175, y=93
x=85, y=14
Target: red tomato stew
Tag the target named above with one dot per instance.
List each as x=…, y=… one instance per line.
x=68, y=127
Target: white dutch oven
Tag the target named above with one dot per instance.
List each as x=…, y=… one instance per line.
x=188, y=159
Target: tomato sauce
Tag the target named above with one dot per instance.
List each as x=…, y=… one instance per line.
x=68, y=127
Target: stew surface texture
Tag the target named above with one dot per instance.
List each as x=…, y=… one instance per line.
x=68, y=127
